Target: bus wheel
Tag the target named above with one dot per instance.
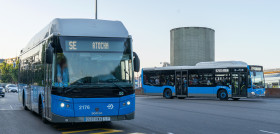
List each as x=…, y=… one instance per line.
x=41, y=112
x=235, y=99
x=23, y=101
x=167, y=94
x=223, y=95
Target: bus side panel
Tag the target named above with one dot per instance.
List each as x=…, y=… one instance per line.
x=20, y=92
x=36, y=92
x=34, y=101
x=157, y=90
x=201, y=91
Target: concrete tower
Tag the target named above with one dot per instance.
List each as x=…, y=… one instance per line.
x=190, y=45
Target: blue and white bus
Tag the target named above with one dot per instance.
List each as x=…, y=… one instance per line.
x=79, y=70
x=224, y=80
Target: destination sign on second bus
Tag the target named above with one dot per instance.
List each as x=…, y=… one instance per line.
x=256, y=68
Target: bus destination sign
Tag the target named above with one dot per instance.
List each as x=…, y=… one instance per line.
x=256, y=68
x=222, y=70
x=93, y=46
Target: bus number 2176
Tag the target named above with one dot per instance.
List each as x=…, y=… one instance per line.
x=84, y=107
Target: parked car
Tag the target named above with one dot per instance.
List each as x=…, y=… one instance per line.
x=7, y=86
x=2, y=92
x=3, y=85
x=12, y=88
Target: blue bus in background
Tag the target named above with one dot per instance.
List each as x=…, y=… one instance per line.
x=224, y=80
x=79, y=70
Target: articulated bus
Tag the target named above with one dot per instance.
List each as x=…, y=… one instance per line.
x=79, y=70
x=224, y=80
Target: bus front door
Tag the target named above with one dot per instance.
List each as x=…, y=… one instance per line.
x=239, y=87
x=181, y=83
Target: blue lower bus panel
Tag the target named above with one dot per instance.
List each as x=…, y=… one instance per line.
x=86, y=109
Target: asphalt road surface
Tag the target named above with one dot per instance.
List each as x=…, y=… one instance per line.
x=155, y=115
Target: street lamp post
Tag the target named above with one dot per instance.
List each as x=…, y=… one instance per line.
x=96, y=9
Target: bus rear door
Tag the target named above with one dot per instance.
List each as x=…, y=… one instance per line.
x=181, y=83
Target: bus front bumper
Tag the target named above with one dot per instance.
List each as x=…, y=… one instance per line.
x=61, y=119
x=254, y=94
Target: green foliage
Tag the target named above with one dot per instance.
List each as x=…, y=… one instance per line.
x=9, y=73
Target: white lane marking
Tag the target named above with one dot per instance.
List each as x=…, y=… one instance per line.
x=4, y=109
x=268, y=132
x=11, y=107
x=169, y=133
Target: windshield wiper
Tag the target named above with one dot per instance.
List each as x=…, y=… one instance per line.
x=72, y=88
x=82, y=85
x=120, y=87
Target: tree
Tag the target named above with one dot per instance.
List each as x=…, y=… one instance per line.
x=5, y=75
x=9, y=73
x=14, y=72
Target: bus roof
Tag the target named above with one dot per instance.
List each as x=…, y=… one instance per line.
x=205, y=65
x=80, y=27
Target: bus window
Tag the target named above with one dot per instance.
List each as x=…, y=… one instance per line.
x=249, y=81
x=62, y=69
x=222, y=79
x=207, y=79
x=159, y=78
x=167, y=78
x=203, y=78
x=151, y=78
x=193, y=79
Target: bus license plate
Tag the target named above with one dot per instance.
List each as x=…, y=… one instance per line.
x=97, y=119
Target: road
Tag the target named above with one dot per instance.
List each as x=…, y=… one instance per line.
x=155, y=115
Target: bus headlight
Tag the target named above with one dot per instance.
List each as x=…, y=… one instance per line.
x=253, y=93
x=128, y=102
x=62, y=104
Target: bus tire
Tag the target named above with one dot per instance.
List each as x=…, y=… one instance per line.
x=41, y=111
x=222, y=95
x=167, y=94
x=236, y=99
x=23, y=102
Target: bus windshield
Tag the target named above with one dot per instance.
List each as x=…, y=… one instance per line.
x=257, y=79
x=96, y=62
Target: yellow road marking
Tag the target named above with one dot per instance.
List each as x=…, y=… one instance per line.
x=64, y=129
x=79, y=131
x=107, y=131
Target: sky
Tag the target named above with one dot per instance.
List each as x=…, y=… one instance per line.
x=244, y=30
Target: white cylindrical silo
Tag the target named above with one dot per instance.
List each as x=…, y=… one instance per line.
x=190, y=45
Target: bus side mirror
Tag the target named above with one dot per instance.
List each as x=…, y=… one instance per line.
x=136, y=62
x=49, y=54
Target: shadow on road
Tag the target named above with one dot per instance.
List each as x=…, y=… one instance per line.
x=209, y=99
x=67, y=128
